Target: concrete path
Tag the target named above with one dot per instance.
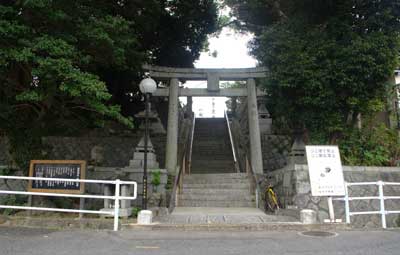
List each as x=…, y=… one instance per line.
x=21, y=241
x=216, y=215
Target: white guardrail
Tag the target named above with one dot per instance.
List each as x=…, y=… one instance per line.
x=116, y=197
x=381, y=197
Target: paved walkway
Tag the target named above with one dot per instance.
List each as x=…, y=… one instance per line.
x=215, y=215
x=25, y=241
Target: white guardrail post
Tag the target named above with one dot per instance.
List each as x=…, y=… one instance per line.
x=116, y=204
x=346, y=202
x=382, y=202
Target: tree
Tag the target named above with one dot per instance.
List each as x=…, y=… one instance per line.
x=328, y=60
x=70, y=65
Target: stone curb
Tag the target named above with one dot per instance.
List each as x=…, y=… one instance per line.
x=107, y=224
x=242, y=227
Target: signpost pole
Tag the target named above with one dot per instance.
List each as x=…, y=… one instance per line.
x=81, y=206
x=331, y=210
x=30, y=204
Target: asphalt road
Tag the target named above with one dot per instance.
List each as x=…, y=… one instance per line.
x=46, y=242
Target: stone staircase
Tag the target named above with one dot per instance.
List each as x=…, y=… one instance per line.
x=211, y=152
x=213, y=181
x=216, y=190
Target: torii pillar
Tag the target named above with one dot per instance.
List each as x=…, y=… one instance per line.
x=254, y=128
x=172, y=129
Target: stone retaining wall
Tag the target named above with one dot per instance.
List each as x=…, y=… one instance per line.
x=114, y=151
x=275, y=149
x=293, y=188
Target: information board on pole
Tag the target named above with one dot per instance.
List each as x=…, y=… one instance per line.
x=325, y=170
x=62, y=169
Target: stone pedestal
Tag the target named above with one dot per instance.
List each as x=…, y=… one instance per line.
x=297, y=154
x=125, y=209
x=264, y=119
x=138, y=156
x=155, y=125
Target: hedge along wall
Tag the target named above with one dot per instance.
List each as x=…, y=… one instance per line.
x=292, y=185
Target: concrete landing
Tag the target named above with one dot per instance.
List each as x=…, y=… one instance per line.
x=217, y=215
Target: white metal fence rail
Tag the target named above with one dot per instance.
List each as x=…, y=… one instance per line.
x=381, y=197
x=117, y=197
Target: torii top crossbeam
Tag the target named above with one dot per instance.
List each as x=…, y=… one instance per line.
x=212, y=76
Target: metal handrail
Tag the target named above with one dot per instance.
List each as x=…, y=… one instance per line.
x=232, y=143
x=180, y=170
x=189, y=168
x=117, y=197
x=381, y=197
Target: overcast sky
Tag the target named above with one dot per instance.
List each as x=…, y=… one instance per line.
x=231, y=49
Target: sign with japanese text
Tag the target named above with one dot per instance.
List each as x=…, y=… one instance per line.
x=325, y=170
x=61, y=169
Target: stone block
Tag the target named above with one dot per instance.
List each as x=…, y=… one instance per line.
x=302, y=176
x=303, y=187
x=145, y=217
x=308, y=216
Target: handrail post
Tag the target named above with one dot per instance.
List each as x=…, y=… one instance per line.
x=382, y=202
x=116, y=204
x=346, y=202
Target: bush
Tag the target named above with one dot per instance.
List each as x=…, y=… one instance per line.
x=370, y=146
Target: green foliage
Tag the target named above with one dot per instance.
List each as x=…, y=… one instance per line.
x=14, y=200
x=156, y=178
x=170, y=182
x=63, y=202
x=328, y=60
x=66, y=66
x=135, y=211
x=378, y=146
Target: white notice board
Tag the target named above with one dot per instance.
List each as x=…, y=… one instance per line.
x=325, y=169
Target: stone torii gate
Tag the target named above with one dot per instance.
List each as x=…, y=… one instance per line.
x=213, y=77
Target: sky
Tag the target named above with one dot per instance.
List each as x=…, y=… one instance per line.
x=232, y=52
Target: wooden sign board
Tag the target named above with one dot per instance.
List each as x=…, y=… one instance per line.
x=63, y=169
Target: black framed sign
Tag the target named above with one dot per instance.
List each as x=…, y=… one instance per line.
x=63, y=169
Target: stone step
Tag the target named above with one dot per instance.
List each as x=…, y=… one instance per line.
x=214, y=162
x=211, y=136
x=213, y=170
x=210, y=157
x=212, y=191
x=210, y=146
x=226, y=155
x=210, y=180
x=193, y=203
x=223, y=161
x=216, y=178
x=218, y=149
x=240, y=196
x=210, y=163
x=242, y=185
x=222, y=154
